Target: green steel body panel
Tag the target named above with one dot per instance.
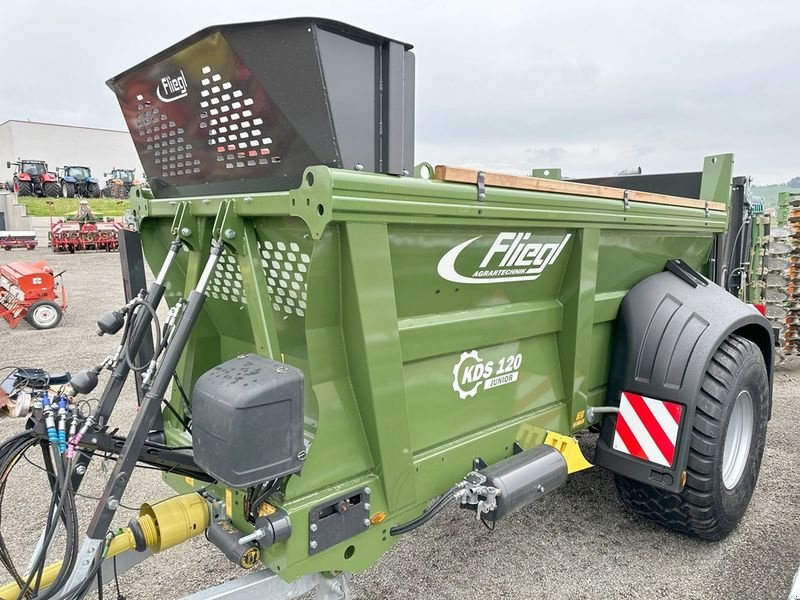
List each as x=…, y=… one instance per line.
x=757, y=271
x=782, y=212
x=413, y=365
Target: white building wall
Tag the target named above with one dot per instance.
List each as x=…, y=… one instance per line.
x=59, y=145
x=15, y=217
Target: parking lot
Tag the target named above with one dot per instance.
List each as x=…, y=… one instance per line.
x=576, y=543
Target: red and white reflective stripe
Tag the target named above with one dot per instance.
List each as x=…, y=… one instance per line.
x=647, y=428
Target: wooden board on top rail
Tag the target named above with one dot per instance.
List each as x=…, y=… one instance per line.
x=557, y=186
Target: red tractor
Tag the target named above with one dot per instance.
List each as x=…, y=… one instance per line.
x=30, y=291
x=33, y=179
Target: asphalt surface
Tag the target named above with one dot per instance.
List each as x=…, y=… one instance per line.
x=577, y=542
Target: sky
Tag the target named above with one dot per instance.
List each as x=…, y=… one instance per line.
x=591, y=87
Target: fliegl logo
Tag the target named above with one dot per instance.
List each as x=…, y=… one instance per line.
x=472, y=373
x=513, y=256
x=172, y=87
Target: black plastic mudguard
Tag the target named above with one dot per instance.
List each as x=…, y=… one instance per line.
x=668, y=327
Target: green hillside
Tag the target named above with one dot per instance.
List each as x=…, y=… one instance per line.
x=770, y=192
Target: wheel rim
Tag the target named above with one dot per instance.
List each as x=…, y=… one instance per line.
x=64, y=191
x=738, y=438
x=45, y=315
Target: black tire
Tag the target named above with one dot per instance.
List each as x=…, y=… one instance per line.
x=23, y=188
x=93, y=190
x=105, y=193
x=44, y=314
x=67, y=190
x=706, y=507
x=52, y=189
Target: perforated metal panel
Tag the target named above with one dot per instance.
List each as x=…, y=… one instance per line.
x=170, y=150
x=257, y=103
x=286, y=268
x=235, y=133
x=226, y=283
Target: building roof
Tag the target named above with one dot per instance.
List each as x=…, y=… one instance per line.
x=62, y=125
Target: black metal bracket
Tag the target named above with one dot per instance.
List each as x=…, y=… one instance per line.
x=338, y=519
x=626, y=202
x=134, y=281
x=478, y=463
x=680, y=269
x=139, y=432
x=153, y=453
x=481, y=183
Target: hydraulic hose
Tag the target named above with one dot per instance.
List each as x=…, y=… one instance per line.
x=150, y=405
x=129, y=454
x=135, y=337
x=154, y=318
x=10, y=451
x=132, y=340
x=61, y=507
x=435, y=508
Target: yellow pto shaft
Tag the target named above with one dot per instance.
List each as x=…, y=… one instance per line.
x=159, y=526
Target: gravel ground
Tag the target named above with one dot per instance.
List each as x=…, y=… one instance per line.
x=576, y=543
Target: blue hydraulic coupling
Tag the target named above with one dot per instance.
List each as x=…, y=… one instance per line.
x=63, y=405
x=49, y=420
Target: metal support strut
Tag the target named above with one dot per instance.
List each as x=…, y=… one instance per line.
x=151, y=404
x=141, y=325
x=119, y=375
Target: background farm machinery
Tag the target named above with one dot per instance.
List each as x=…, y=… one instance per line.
x=767, y=248
x=31, y=178
x=18, y=239
x=404, y=337
x=84, y=231
x=783, y=280
x=32, y=292
x=78, y=181
x=119, y=183
x=748, y=245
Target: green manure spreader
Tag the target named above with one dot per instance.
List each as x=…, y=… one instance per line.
x=355, y=341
